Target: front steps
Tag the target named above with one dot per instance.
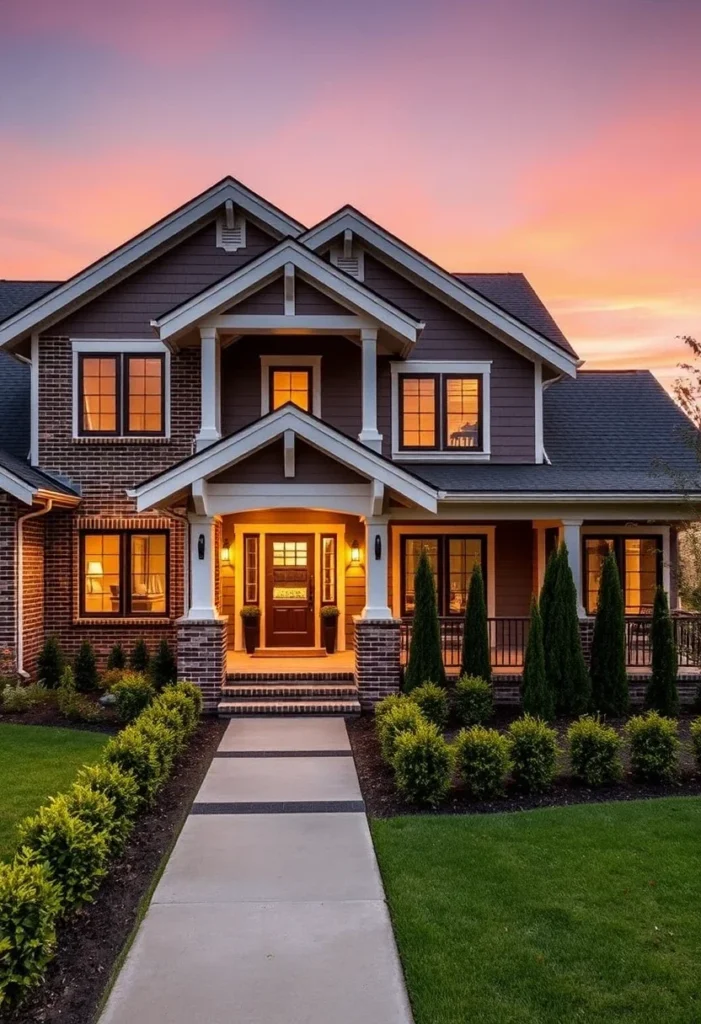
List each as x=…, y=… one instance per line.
x=295, y=696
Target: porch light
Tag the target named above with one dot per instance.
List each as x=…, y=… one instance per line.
x=355, y=553
x=225, y=552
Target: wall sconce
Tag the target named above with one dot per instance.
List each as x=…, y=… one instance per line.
x=355, y=553
x=225, y=551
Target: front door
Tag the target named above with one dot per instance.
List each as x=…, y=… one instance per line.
x=289, y=588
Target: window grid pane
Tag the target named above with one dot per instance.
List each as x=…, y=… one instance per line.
x=99, y=382
x=462, y=402
x=463, y=554
x=291, y=386
x=250, y=551
x=641, y=557
x=289, y=552
x=418, y=412
x=328, y=570
x=101, y=568
x=412, y=552
x=145, y=395
x=148, y=573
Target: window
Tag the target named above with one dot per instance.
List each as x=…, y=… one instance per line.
x=452, y=559
x=250, y=577
x=290, y=552
x=290, y=384
x=328, y=570
x=640, y=566
x=121, y=395
x=124, y=573
x=439, y=412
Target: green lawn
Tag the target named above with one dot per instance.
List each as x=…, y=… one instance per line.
x=574, y=914
x=37, y=762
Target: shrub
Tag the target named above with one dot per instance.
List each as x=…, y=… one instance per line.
x=50, y=663
x=401, y=718
x=75, y=706
x=483, y=760
x=194, y=694
x=654, y=747
x=384, y=706
x=433, y=702
x=163, y=669
x=565, y=668
x=425, y=660
x=117, y=658
x=139, y=658
x=111, y=677
x=476, y=655
x=474, y=701
x=16, y=699
x=133, y=694
x=695, y=730
x=29, y=905
x=133, y=753
x=182, y=702
x=85, y=668
x=93, y=808
x=121, y=789
x=609, y=677
x=595, y=752
x=661, y=694
x=73, y=851
x=423, y=765
x=533, y=753
x=162, y=741
x=171, y=719
x=538, y=697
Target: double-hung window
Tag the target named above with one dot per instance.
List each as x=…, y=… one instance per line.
x=639, y=564
x=124, y=573
x=121, y=394
x=440, y=412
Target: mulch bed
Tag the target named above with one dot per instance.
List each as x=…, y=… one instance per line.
x=48, y=714
x=383, y=801
x=91, y=941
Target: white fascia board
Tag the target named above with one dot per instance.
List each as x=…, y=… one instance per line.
x=448, y=288
x=137, y=251
x=260, y=271
x=17, y=488
x=219, y=456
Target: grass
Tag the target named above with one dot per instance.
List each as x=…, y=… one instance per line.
x=580, y=914
x=37, y=762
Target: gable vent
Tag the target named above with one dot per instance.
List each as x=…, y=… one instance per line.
x=231, y=231
x=351, y=264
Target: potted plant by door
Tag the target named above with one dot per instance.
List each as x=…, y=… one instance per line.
x=329, y=619
x=250, y=614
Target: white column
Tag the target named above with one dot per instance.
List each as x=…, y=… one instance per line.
x=203, y=552
x=572, y=537
x=369, y=434
x=376, y=563
x=210, y=416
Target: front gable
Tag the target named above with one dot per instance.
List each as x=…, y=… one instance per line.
x=267, y=466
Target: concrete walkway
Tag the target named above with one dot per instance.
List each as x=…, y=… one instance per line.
x=271, y=908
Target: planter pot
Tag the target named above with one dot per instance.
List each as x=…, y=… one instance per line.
x=251, y=634
x=330, y=633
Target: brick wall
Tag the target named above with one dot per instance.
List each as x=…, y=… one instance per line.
x=8, y=519
x=33, y=592
x=377, y=667
x=202, y=656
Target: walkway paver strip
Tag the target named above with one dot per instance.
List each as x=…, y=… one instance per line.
x=268, y=918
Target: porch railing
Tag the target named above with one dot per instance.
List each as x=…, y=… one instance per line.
x=508, y=636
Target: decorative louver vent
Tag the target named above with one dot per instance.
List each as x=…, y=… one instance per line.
x=231, y=230
x=350, y=264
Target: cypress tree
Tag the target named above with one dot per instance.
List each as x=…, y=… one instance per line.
x=139, y=659
x=85, y=668
x=425, y=662
x=117, y=659
x=476, y=660
x=163, y=669
x=565, y=667
x=662, y=692
x=538, y=697
x=50, y=663
x=546, y=603
x=609, y=678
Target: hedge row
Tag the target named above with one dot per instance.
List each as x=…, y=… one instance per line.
x=66, y=847
x=424, y=763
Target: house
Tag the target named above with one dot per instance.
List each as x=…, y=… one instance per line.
x=233, y=409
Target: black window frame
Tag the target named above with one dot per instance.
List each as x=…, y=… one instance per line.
x=443, y=568
x=125, y=596
x=435, y=377
x=308, y=370
x=619, y=550
x=441, y=412
x=121, y=361
x=445, y=377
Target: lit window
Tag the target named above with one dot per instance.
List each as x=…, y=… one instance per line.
x=145, y=395
x=462, y=412
x=328, y=570
x=124, y=574
x=418, y=412
x=122, y=395
x=250, y=558
x=290, y=385
x=101, y=573
x=452, y=560
x=440, y=411
x=148, y=573
x=639, y=561
x=99, y=385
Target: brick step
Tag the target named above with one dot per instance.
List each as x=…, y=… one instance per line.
x=239, y=678
x=229, y=708
x=292, y=689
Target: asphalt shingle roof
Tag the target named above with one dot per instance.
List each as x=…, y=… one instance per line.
x=15, y=295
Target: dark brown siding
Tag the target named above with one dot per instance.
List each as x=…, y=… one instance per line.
x=266, y=467
x=340, y=379
x=450, y=336
x=126, y=310
x=268, y=301
x=513, y=556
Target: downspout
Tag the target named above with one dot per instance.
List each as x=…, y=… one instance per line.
x=48, y=505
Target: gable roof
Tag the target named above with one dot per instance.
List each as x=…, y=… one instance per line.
x=515, y=294
x=447, y=287
x=140, y=250
x=16, y=295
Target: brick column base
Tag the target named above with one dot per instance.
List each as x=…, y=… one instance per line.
x=377, y=664
x=202, y=645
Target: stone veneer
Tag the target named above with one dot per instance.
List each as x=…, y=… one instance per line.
x=202, y=645
x=377, y=664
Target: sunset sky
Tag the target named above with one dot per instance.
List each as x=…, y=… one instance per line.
x=557, y=137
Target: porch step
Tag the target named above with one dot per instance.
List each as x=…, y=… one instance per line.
x=261, y=676
x=287, y=690
x=305, y=695
x=311, y=706
x=290, y=652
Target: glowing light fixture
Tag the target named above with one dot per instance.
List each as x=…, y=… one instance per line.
x=355, y=553
x=225, y=551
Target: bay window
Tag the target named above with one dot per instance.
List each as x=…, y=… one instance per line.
x=124, y=573
x=639, y=562
x=452, y=558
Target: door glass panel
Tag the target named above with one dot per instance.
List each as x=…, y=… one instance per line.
x=290, y=552
x=412, y=551
x=595, y=551
x=641, y=560
x=250, y=582
x=290, y=593
x=463, y=554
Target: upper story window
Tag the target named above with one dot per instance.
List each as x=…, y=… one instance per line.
x=121, y=394
x=291, y=384
x=446, y=410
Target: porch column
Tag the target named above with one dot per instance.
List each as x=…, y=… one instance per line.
x=572, y=537
x=369, y=434
x=210, y=400
x=376, y=562
x=203, y=552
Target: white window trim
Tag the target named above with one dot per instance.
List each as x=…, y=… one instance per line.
x=630, y=530
x=267, y=362
x=95, y=346
x=469, y=368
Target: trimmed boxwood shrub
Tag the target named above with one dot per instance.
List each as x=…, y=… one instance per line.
x=133, y=693
x=181, y=701
x=384, y=706
x=121, y=790
x=29, y=905
x=92, y=807
x=193, y=693
x=167, y=717
x=483, y=760
x=433, y=702
x=423, y=765
x=595, y=752
x=132, y=751
x=401, y=718
x=74, y=851
x=654, y=747
x=695, y=730
x=474, y=701
x=162, y=740
x=533, y=754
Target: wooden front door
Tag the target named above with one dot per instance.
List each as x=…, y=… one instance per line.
x=289, y=590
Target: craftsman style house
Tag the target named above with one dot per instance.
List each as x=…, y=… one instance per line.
x=233, y=409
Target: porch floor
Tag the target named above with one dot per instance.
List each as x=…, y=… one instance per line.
x=241, y=664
